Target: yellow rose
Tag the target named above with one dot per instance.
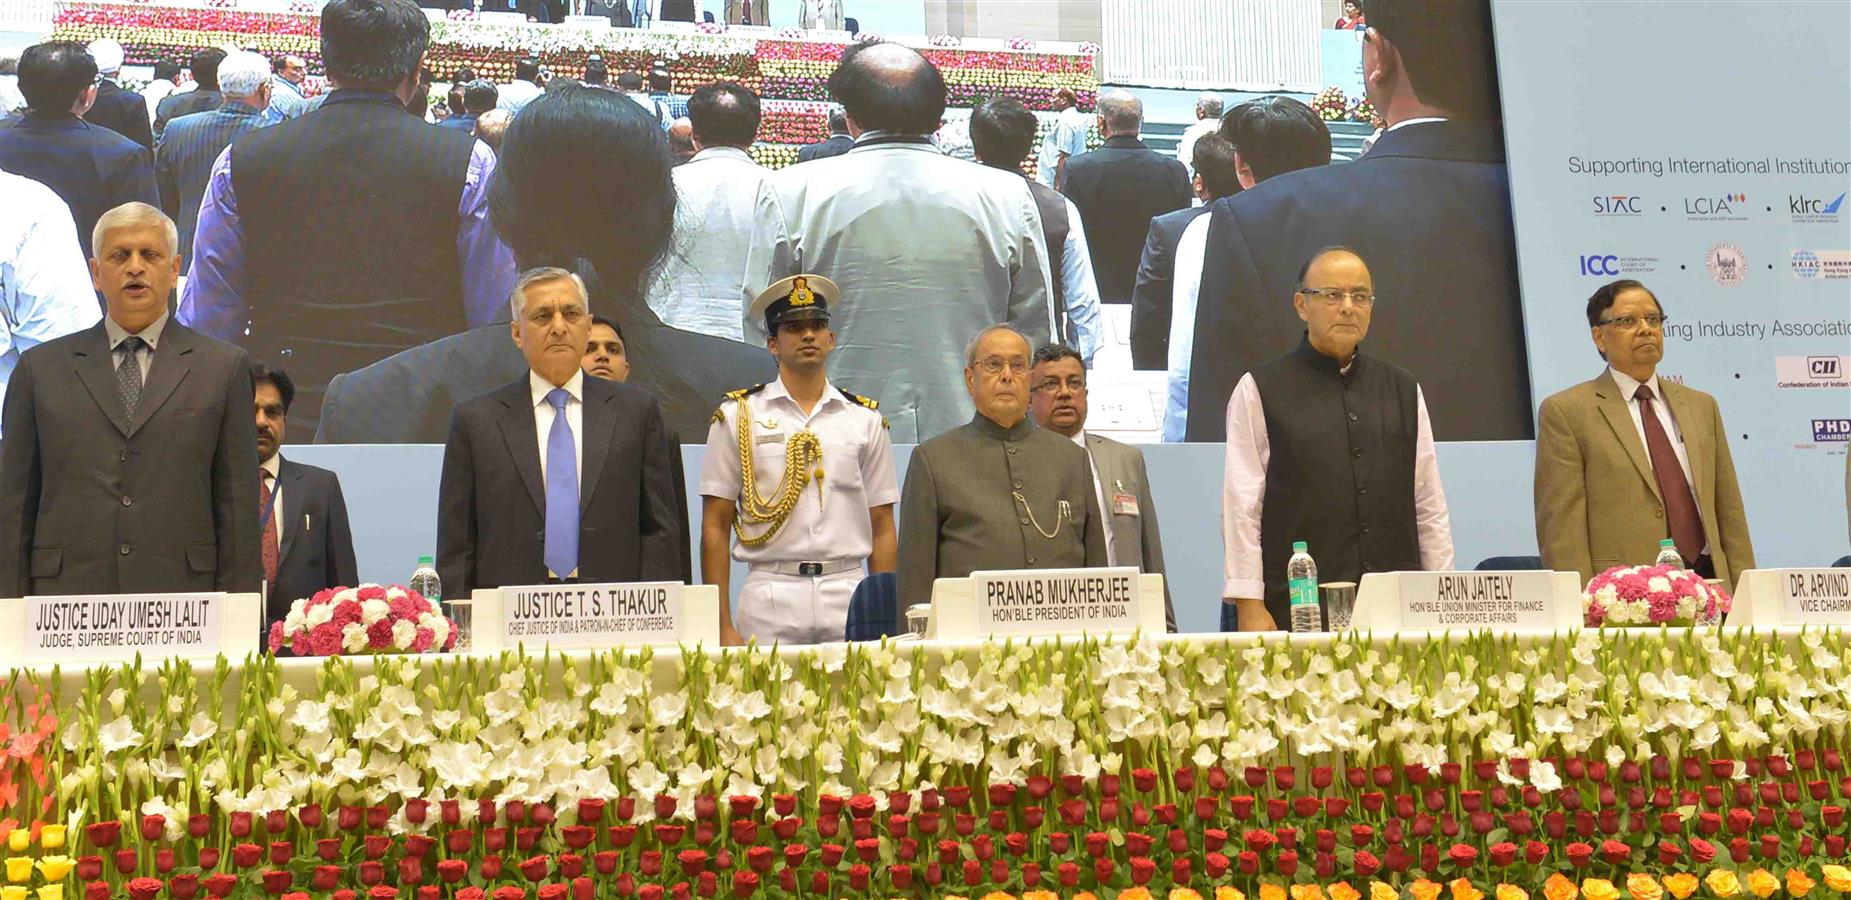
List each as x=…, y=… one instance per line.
x=1380, y=891
x=1425, y=890
x=1838, y=878
x=1722, y=882
x=1342, y=891
x=18, y=840
x=1642, y=887
x=1184, y=894
x=1798, y=884
x=1599, y=889
x=1040, y=895
x=18, y=868
x=1228, y=893
x=52, y=892
x=54, y=868
x=1560, y=887
x=1307, y=892
x=1136, y=893
x=1463, y=890
x=999, y=895
x=1512, y=892
x=1271, y=892
x=1085, y=895
x=13, y=892
x=1681, y=885
x=51, y=837
x=1762, y=883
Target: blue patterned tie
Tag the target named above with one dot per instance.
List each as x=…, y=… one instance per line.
x=561, y=553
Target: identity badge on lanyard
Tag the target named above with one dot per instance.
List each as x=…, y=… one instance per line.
x=1124, y=503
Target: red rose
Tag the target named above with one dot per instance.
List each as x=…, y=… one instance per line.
x=491, y=866
x=583, y=888
x=831, y=854
x=665, y=806
x=372, y=872
x=705, y=807
x=452, y=871
x=96, y=890
x=786, y=828
x=509, y=892
x=1833, y=816
x=794, y=854
x=1137, y=844
x=221, y=884
x=1365, y=863
x=410, y=870
x=745, y=884
x=1016, y=843
x=1462, y=854
x=347, y=818
x=578, y=837
x=89, y=868
x=126, y=860
x=1580, y=854
x=183, y=887
x=164, y=860
x=1287, y=862
x=382, y=892
x=1535, y=852
x=861, y=806
x=152, y=827
x=1248, y=862
x=276, y=881
x=551, y=891
x=669, y=835
x=1142, y=870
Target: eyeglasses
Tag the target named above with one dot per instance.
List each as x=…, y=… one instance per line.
x=1336, y=296
x=1628, y=323
x=996, y=364
x=1076, y=384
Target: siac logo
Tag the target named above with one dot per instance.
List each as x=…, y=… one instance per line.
x=1831, y=430
x=1619, y=205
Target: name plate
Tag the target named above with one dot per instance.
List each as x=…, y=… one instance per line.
x=1058, y=601
x=118, y=626
x=1815, y=596
x=1519, y=600
x=572, y=616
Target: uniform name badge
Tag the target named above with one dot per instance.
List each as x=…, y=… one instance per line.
x=1124, y=504
x=773, y=436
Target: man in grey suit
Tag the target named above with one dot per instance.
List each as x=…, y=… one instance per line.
x=557, y=477
x=1120, y=484
x=997, y=493
x=130, y=463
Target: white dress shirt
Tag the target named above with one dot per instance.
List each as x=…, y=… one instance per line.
x=151, y=341
x=1080, y=289
x=45, y=287
x=156, y=91
x=516, y=94
x=1185, y=145
x=827, y=524
x=1105, y=509
x=1243, y=494
x=1191, y=251
x=575, y=418
x=1666, y=419
x=700, y=285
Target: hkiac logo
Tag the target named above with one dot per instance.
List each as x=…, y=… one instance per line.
x=1831, y=430
x=1618, y=205
x=1805, y=264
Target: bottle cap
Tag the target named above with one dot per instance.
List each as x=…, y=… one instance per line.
x=1667, y=542
x=1298, y=547
x=427, y=561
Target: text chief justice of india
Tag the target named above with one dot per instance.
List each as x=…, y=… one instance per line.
x=130, y=463
x=998, y=492
x=558, y=476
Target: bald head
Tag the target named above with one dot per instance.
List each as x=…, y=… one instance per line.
x=492, y=125
x=1120, y=113
x=887, y=87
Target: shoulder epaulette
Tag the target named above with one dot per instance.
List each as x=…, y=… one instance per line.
x=719, y=413
x=866, y=403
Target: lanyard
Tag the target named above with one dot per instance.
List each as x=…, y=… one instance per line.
x=269, y=511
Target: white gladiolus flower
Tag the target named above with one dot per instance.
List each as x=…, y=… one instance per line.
x=119, y=734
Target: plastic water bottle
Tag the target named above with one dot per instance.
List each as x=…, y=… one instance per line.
x=424, y=580
x=1301, y=578
x=1668, y=555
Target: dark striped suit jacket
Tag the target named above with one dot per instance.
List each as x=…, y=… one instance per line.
x=184, y=160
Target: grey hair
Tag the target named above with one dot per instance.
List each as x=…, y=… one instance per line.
x=132, y=215
x=517, y=299
x=1206, y=106
x=970, y=349
x=242, y=73
x=1121, y=110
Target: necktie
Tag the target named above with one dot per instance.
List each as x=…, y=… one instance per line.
x=1680, y=506
x=561, y=551
x=271, y=553
x=128, y=374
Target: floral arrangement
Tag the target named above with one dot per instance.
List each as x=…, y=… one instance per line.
x=1598, y=764
x=1652, y=595
x=1088, y=48
x=1364, y=112
x=461, y=15
x=711, y=28
x=366, y=619
x=1331, y=104
x=1021, y=43
x=944, y=40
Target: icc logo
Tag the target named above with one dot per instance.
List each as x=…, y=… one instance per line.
x=1600, y=264
x=1822, y=366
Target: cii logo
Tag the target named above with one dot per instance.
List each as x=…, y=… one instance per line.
x=1822, y=366
x=1619, y=205
x=1831, y=430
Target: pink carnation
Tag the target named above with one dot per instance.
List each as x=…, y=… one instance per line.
x=371, y=592
x=379, y=634
x=276, y=637
x=325, y=639
x=346, y=613
x=1596, y=613
x=1661, y=607
x=322, y=596
x=449, y=642
x=1633, y=585
x=422, y=643
x=406, y=608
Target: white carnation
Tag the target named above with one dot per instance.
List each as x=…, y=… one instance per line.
x=403, y=633
x=320, y=615
x=373, y=610
x=353, y=637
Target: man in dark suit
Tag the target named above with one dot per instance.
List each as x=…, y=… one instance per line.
x=1213, y=160
x=203, y=97
x=1257, y=140
x=836, y=144
x=414, y=258
x=129, y=464
x=193, y=142
x=1118, y=189
x=91, y=168
x=306, y=544
x=557, y=476
x=120, y=111
x=1428, y=206
x=479, y=96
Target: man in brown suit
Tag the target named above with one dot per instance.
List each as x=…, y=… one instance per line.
x=1629, y=459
